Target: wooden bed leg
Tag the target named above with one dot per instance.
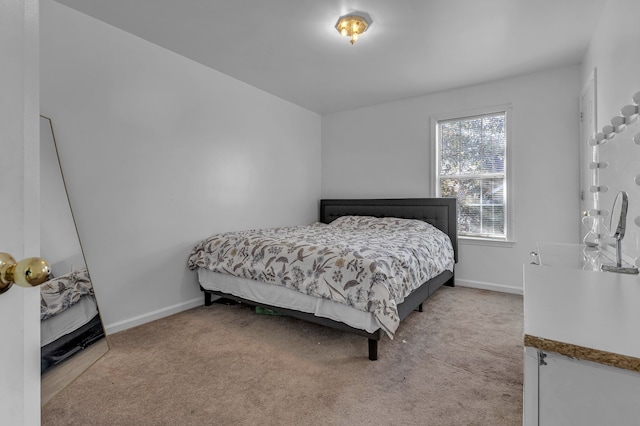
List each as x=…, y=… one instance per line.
x=373, y=349
x=420, y=307
x=207, y=298
x=451, y=282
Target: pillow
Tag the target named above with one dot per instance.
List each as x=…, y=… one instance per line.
x=379, y=223
x=354, y=221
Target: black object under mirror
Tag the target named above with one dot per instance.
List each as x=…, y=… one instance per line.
x=618, y=226
x=72, y=336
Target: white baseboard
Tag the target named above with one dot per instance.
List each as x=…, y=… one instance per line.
x=152, y=316
x=189, y=304
x=489, y=286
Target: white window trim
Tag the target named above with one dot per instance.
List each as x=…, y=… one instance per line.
x=434, y=175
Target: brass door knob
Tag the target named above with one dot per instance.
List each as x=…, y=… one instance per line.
x=29, y=272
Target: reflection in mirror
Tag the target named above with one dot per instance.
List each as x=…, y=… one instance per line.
x=617, y=229
x=71, y=333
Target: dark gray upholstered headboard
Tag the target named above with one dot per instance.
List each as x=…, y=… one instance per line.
x=440, y=212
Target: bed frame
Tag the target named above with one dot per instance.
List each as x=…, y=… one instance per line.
x=440, y=212
x=70, y=344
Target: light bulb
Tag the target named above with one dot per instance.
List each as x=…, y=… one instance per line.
x=352, y=26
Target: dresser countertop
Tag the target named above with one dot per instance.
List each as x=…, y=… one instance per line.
x=573, y=308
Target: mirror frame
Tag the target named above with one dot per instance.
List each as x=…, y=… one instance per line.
x=621, y=200
x=55, y=378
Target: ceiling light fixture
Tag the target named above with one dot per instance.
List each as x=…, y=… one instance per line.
x=352, y=26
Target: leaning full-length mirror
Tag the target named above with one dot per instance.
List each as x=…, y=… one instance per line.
x=71, y=333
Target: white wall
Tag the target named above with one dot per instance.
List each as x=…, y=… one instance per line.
x=160, y=152
x=615, y=52
x=384, y=151
x=20, y=213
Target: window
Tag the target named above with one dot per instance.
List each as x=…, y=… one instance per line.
x=471, y=155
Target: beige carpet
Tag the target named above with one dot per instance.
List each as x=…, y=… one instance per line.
x=457, y=363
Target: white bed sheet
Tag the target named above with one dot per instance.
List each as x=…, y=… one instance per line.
x=68, y=320
x=283, y=297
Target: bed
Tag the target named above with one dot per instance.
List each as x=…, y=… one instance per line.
x=361, y=286
x=69, y=318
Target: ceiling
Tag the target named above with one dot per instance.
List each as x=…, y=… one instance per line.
x=291, y=49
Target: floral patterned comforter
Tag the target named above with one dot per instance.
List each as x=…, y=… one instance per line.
x=368, y=263
x=58, y=294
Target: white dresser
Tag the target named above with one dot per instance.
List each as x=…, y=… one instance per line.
x=582, y=340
